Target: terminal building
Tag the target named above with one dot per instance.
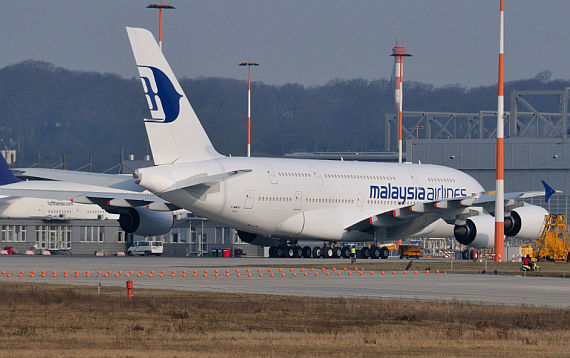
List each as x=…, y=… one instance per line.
x=190, y=236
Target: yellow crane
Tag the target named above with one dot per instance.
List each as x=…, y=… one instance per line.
x=552, y=245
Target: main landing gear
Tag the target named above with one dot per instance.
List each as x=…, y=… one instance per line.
x=328, y=250
x=289, y=251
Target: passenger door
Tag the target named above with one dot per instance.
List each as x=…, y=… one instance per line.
x=271, y=173
x=248, y=199
x=298, y=200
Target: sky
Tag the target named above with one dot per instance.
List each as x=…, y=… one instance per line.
x=309, y=42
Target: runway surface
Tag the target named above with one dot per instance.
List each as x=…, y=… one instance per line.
x=491, y=289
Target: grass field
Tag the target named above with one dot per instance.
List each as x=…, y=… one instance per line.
x=552, y=269
x=48, y=320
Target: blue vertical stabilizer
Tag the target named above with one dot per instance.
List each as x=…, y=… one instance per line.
x=6, y=175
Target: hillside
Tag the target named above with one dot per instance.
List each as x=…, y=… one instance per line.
x=49, y=110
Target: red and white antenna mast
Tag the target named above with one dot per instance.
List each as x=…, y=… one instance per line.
x=398, y=52
x=160, y=7
x=249, y=64
x=500, y=190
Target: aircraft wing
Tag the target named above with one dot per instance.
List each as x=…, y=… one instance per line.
x=453, y=210
x=116, y=181
x=107, y=198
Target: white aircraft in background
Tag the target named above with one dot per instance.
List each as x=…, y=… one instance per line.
x=63, y=194
x=50, y=209
x=276, y=202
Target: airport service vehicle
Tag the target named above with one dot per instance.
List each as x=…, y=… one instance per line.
x=277, y=201
x=409, y=251
x=139, y=212
x=146, y=248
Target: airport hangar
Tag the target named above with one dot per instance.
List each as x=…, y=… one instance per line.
x=536, y=147
x=536, y=143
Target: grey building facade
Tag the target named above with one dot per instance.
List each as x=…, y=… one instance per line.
x=190, y=236
x=528, y=160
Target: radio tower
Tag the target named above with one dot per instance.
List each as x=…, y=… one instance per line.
x=398, y=52
x=500, y=190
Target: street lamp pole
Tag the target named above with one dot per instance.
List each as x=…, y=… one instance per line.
x=160, y=7
x=249, y=64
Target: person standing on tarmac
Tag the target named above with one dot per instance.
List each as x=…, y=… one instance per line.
x=353, y=254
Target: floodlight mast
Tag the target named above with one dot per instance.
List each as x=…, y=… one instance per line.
x=160, y=7
x=500, y=172
x=249, y=64
x=399, y=52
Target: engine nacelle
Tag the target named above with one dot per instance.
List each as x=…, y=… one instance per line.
x=525, y=222
x=145, y=222
x=258, y=240
x=478, y=232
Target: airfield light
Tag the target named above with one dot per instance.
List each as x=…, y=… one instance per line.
x=399, y=52
x=500, y=187
x=160, y=7
x=249, y=64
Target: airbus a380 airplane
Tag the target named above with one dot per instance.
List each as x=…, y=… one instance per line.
x=276, y=202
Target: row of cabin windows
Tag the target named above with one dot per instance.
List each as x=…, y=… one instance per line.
x=358, y=176
x=273, y=198
x=390, y=202
x=329, y=201
x=297, y=175
x=441, y=180
x=338, y=176
x=307, y=200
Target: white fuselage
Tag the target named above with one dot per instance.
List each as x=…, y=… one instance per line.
x=51, y=209
x=306, y=199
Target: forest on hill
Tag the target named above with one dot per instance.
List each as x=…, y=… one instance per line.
x=52, y=111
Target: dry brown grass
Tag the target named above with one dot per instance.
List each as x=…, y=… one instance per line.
x=549, y=269
x=46, y=320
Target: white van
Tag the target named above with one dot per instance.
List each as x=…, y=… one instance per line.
x=146, y=248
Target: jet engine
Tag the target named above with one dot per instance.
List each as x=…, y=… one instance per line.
x=258, y=240
x=145, y=222
x=525, y=222
x=478, y=232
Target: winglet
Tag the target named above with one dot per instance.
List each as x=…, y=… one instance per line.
x=548, y=191
x=6, y=175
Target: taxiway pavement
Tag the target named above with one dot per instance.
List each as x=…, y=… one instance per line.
x=474, y=288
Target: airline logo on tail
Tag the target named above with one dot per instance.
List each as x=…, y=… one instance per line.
x=163, y=99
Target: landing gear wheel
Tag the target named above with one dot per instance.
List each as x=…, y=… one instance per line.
x=298, y=251
x=272, y=251
x=365, y=252
x=317, y=252
x=374, y=253
x=306, y=252
x=290, y=252
x=327, y=252
x=384, y=253
x=280, y=251
x=345, y=252
x=337, y=252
